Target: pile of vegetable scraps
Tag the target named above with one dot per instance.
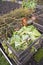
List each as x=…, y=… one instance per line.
x=21, y=39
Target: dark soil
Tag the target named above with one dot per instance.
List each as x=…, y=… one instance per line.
x=33, y=62
x=6, y=7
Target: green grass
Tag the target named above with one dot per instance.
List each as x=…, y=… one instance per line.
x=39, y=55
x=3, y=61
